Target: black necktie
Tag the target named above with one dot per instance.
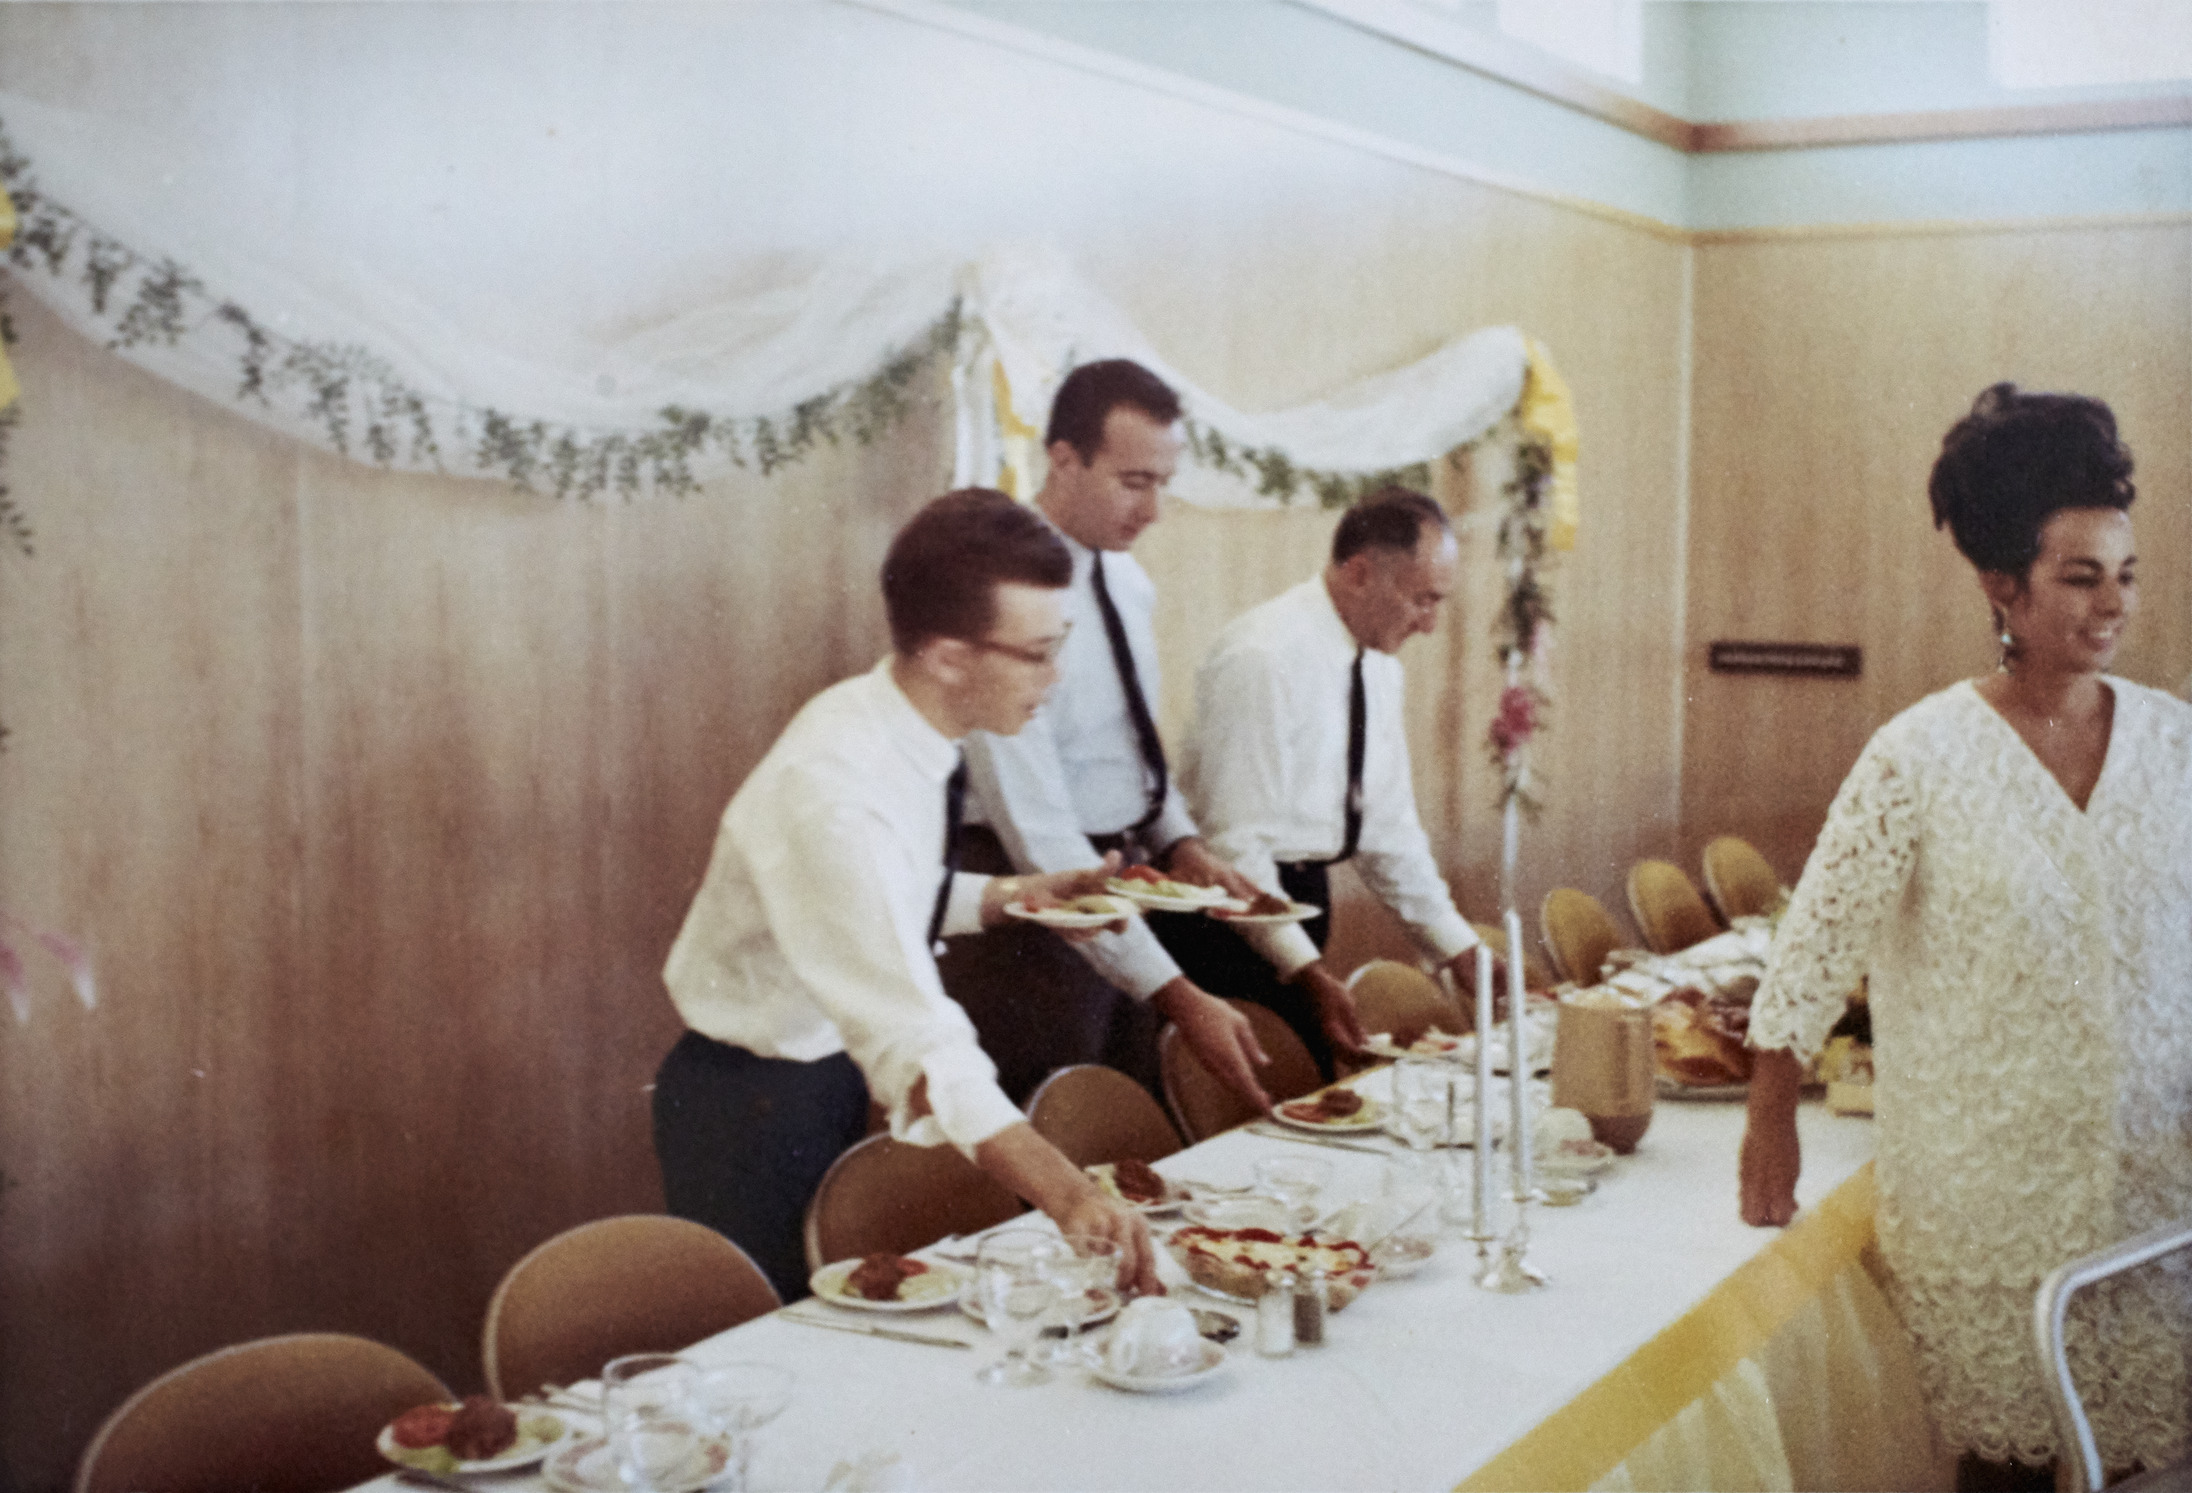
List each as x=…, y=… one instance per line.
x=1137, y=708
x=1357, y=715
x=955, y=813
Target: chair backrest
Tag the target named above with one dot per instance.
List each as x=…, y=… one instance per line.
x=2078, y=1455
x=887, y=1197
x=1536, y=973
x=1203, y=1105
x=1667, y=908
x=293, y=1414
x=1579, y=933
x=644, y=1283
x=1400, y=999
x=1094, y=1113
x=1739, y=880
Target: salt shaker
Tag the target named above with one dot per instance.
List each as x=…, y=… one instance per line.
x=1309, y=1305
x=1275, y=1317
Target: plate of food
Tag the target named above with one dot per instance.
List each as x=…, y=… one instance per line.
x=888, y=1283
x=1337, y=1110
x=480, y=1434
x=1240, y=1264
x=1265, y=912
x=1136, y=1182
x=1151, y=889
x=1103, y=1305
x=1698, y=1042
x=1092, y=911
x=683, y=1463
x=1432, y=1044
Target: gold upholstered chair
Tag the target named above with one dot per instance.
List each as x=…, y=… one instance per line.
x=643, y=1283
x=1668, y=910
x=291, y=1414
x=1093, y=1113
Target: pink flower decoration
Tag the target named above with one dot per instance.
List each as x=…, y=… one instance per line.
x=1516, y=721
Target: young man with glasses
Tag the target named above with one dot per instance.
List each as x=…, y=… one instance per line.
x=805, y=971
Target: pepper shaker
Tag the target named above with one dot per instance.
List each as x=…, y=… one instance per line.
x=1309, y=1306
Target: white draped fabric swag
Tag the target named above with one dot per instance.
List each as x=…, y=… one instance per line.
x=817, y=348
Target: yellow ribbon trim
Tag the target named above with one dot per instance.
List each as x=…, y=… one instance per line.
x=1548, y=412
x=1596, y=1431
x=1016, y=466
x=9, y=388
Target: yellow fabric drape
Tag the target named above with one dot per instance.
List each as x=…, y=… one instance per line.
x=1793, y=1373
x=1548, y=412
x=9, y=388
x=1016, y=462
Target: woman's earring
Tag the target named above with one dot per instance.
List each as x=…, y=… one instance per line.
x=2003, y=636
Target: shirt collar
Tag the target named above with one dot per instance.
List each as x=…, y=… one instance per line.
x=934, y=753
x=1331, y=626
x=1084, y=558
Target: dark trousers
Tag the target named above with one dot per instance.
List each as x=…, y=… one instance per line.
x=744, y=1140
x=1219, y=960
x=1036, y=1004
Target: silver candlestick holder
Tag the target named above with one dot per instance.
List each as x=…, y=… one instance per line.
x=1510, y=1271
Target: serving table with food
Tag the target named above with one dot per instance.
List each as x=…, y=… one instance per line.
x=1663, y=1352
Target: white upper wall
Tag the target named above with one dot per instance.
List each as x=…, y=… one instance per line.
x=1704, y=60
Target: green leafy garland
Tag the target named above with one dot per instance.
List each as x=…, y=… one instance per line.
x=365, y=410
x=1273, y=474
x=1522, y=630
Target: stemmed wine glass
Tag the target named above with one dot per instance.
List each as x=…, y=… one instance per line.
x=736, y=1400
x=1423, y=1100
x=1295, y=1182
x=1015, y=1279
x=647, y=1405
x=1088, y=1280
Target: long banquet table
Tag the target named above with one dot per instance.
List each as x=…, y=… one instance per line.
x=1674, y=1347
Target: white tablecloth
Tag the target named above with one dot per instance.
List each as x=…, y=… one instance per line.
x=1419, y=1384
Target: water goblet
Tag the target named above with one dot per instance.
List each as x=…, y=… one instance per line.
x=1088, y=1281
x=1423, y=1102
x=648, y=1405
x=1295, y=1181
x=1015, y=1281
x=735, y=1400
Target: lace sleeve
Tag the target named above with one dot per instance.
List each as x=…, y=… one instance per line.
x=1852, y=882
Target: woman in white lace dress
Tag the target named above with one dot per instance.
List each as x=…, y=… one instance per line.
x=2011, y=863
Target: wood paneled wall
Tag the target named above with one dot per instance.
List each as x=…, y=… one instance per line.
x=379, y=798
x=1827, y=370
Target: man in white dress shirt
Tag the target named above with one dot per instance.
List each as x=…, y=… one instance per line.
x=805, y=971
x=1299, y=760
x=1088, y=776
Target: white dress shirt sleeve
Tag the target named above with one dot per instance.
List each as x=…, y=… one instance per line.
x=1247, y=771
x=851, y=918
x=1021, y=787
x=1394, y=856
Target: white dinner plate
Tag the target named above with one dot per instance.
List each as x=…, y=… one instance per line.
x=1177, y=1193
x=1195, y=899
x=535, y=1440
x=937, y=1286
x=1297, y=912
x=1058, y=917
x=1104, y=1310
x=1382, y=1045
x=1364, y=1121
x=1670, y=1088
x=588, y=1466
x=1163, y=1384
